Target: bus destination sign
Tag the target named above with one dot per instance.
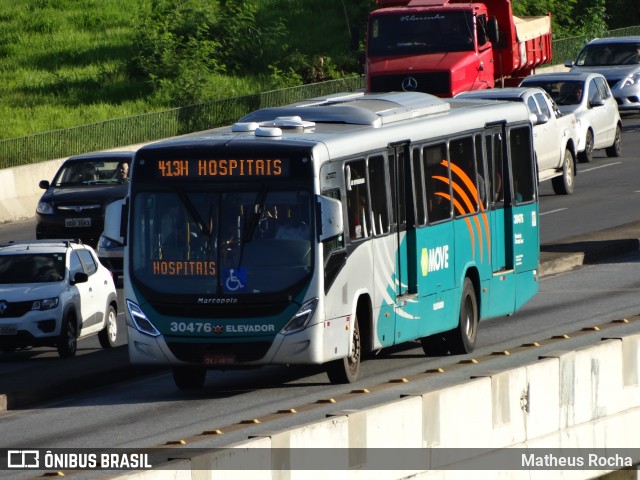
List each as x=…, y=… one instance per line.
x=222, y=168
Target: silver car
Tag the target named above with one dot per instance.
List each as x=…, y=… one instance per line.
x=618, y=59
x=587, y=95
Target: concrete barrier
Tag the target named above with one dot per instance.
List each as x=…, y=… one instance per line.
x=575, y=402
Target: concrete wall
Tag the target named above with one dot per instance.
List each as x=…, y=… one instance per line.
x=584, y=399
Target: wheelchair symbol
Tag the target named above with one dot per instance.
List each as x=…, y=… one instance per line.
x=233, y=282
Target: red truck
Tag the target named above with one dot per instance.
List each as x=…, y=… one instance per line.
x=445, y=47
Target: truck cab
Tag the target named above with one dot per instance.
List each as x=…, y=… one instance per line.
x=445, y=47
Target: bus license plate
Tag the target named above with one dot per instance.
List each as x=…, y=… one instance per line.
x=8, y=330
x=77, y=222
x=219, y=359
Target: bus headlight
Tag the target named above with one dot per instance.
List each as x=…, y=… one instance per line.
x=140, y=320
x=301, y=318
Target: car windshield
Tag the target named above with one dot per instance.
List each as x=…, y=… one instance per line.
x=401, y=34
x=32, y=268
x=91, y=172
x=561, y=91
x=250, y=241
x=609, y=54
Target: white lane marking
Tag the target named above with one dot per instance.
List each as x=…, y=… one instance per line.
x=553, y=211
x=600, y=166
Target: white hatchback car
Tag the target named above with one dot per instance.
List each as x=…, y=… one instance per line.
x=53, y=292
x=587, y=95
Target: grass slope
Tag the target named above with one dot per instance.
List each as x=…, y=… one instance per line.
x=63, y=63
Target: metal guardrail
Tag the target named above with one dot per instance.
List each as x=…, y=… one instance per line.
x=155, y=126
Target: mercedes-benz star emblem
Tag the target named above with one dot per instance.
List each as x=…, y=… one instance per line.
x=409, y=84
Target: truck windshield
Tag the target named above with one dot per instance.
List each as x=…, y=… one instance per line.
x=256, y=240
x=420, y=33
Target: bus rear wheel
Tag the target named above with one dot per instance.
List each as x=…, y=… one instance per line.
x=189, y=378
x=346, y=370
x=462, y=339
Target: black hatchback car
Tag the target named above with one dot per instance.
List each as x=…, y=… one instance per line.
x=74, y=202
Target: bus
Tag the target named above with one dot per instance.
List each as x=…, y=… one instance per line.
x=319, y=232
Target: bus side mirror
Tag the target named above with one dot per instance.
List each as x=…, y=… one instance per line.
x=115, y=221
x=330, y=215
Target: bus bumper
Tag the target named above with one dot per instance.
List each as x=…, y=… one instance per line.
x=303, y=347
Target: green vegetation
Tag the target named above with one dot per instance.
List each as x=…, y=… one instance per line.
x=65, y=63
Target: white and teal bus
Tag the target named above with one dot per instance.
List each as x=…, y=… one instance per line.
x=318, y=232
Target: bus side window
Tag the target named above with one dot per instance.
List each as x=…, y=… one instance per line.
x=418, y=182
x=357, y=200
x=522, y=164
x=483, y=180
x=494, y=159
x=378, y=190
x=461, y=154
x=437, y=182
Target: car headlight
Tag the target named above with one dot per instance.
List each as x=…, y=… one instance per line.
x=45, y=304
x=300, y=320
x=44, y=208
x=140, y=320
x=631, y=80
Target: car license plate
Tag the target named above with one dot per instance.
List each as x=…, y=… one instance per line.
x=8, y=330
x=219, y=359
x=77, y=222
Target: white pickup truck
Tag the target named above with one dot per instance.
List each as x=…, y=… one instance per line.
x=555, y=134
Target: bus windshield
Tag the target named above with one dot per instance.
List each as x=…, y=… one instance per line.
x=256, y=240
x=421, y=33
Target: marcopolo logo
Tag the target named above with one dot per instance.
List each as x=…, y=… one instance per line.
x=434, y=259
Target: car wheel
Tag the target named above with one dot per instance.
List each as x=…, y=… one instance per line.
x=67, y=342
x=109, y=334
x=189, y=378
x=615, y=150
x=563, y=185
x=587, y=155
x=346, y=370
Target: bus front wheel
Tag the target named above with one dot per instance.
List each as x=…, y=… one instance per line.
x=189, y=378
x=346, y=370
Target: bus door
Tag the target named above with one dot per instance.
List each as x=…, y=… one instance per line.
x=407, y=319
x=502, y=282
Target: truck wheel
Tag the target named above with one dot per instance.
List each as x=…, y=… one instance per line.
x=462, y=339
x=67, y=342
x=615, y=150
x=346, y=370
x=109, y=334
x=189, y=378
x=587, y=155
x=563, y=185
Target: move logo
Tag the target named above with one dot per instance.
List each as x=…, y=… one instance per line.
x=434, y=259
